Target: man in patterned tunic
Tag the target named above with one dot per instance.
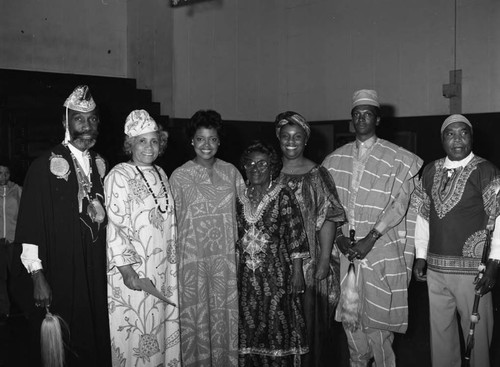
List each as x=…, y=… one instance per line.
x=456, y=200
x=61, y=225
x=374, y=180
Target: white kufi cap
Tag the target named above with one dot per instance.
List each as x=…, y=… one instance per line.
x=365, y=97
x=455, y=118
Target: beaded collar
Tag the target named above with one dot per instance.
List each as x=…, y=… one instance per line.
x=151, y=191
x=253, y=217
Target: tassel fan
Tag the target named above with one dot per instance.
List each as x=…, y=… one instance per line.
x=51, y=340
x=349, y=301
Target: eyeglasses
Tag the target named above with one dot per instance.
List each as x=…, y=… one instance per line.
x=261, y=165
x=365, y=115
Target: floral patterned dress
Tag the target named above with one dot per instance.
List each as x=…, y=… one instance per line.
x=206, y=212
x=142, y=232
x=271, y=324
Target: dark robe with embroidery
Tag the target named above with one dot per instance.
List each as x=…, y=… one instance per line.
x=457, y=212
x=73, y=252
x=272, y=330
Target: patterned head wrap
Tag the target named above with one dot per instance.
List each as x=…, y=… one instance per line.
x=139, y=122
x=294, y=119
x=455, y=118
x=79, y=100
x=365, y=97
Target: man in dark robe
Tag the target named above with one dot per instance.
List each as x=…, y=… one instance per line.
x=61, y=225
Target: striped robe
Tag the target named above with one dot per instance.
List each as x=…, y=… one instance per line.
x=383, y=276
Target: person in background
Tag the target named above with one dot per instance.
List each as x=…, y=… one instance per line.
x=321, y=210
x=271, y=247
x=374, y=180
x=141, y=237
x=457, y=198
x=62, y=227
x=10, y=196
x=205, y=191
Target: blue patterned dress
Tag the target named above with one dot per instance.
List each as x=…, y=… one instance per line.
x=144, y=330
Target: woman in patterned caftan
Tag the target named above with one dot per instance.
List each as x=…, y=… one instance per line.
x=141, y=237
x=272, y=244
x=322, y=212
x=205, y=191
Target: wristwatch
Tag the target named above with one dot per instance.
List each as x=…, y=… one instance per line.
x=375, y=234
x=34, y=272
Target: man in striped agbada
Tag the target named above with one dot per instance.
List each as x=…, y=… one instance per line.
x=374, y=180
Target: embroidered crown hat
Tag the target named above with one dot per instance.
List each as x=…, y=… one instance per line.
x=365, y=97
x=80, y=100
x=455, y=118
x=139, y=122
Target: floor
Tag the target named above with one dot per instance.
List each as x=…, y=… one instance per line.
x=412, y=348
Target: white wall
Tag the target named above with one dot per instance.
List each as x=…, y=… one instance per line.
x=251, y=59
x=117, y=38
x=65, y=36
x=150, y=48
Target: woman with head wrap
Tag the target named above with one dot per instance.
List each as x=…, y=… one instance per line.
x=322, y=212
x=272, y=245
x=141, y=239
x=205, y=191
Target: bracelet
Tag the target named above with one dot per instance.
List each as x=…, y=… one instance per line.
x=375, y=234
x=34, y=272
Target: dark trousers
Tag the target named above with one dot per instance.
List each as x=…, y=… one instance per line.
x=5, y=268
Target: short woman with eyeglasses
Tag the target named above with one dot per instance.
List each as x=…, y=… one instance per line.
x=272, y=244
x=205, y=191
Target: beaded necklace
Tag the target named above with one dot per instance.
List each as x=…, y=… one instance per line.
x=151, y=191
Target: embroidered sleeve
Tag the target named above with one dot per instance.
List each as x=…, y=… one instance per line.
x=491, y=198
x=120, y=250
x=491, y=201
x=420, y=201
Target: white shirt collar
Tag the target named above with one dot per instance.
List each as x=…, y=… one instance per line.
x=77, y=152
x=454, y=164
x=81, y=157
x=368, y=143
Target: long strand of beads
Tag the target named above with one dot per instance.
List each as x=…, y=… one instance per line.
x=151, y=191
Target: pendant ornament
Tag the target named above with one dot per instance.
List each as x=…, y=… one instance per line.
x=59, y=166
